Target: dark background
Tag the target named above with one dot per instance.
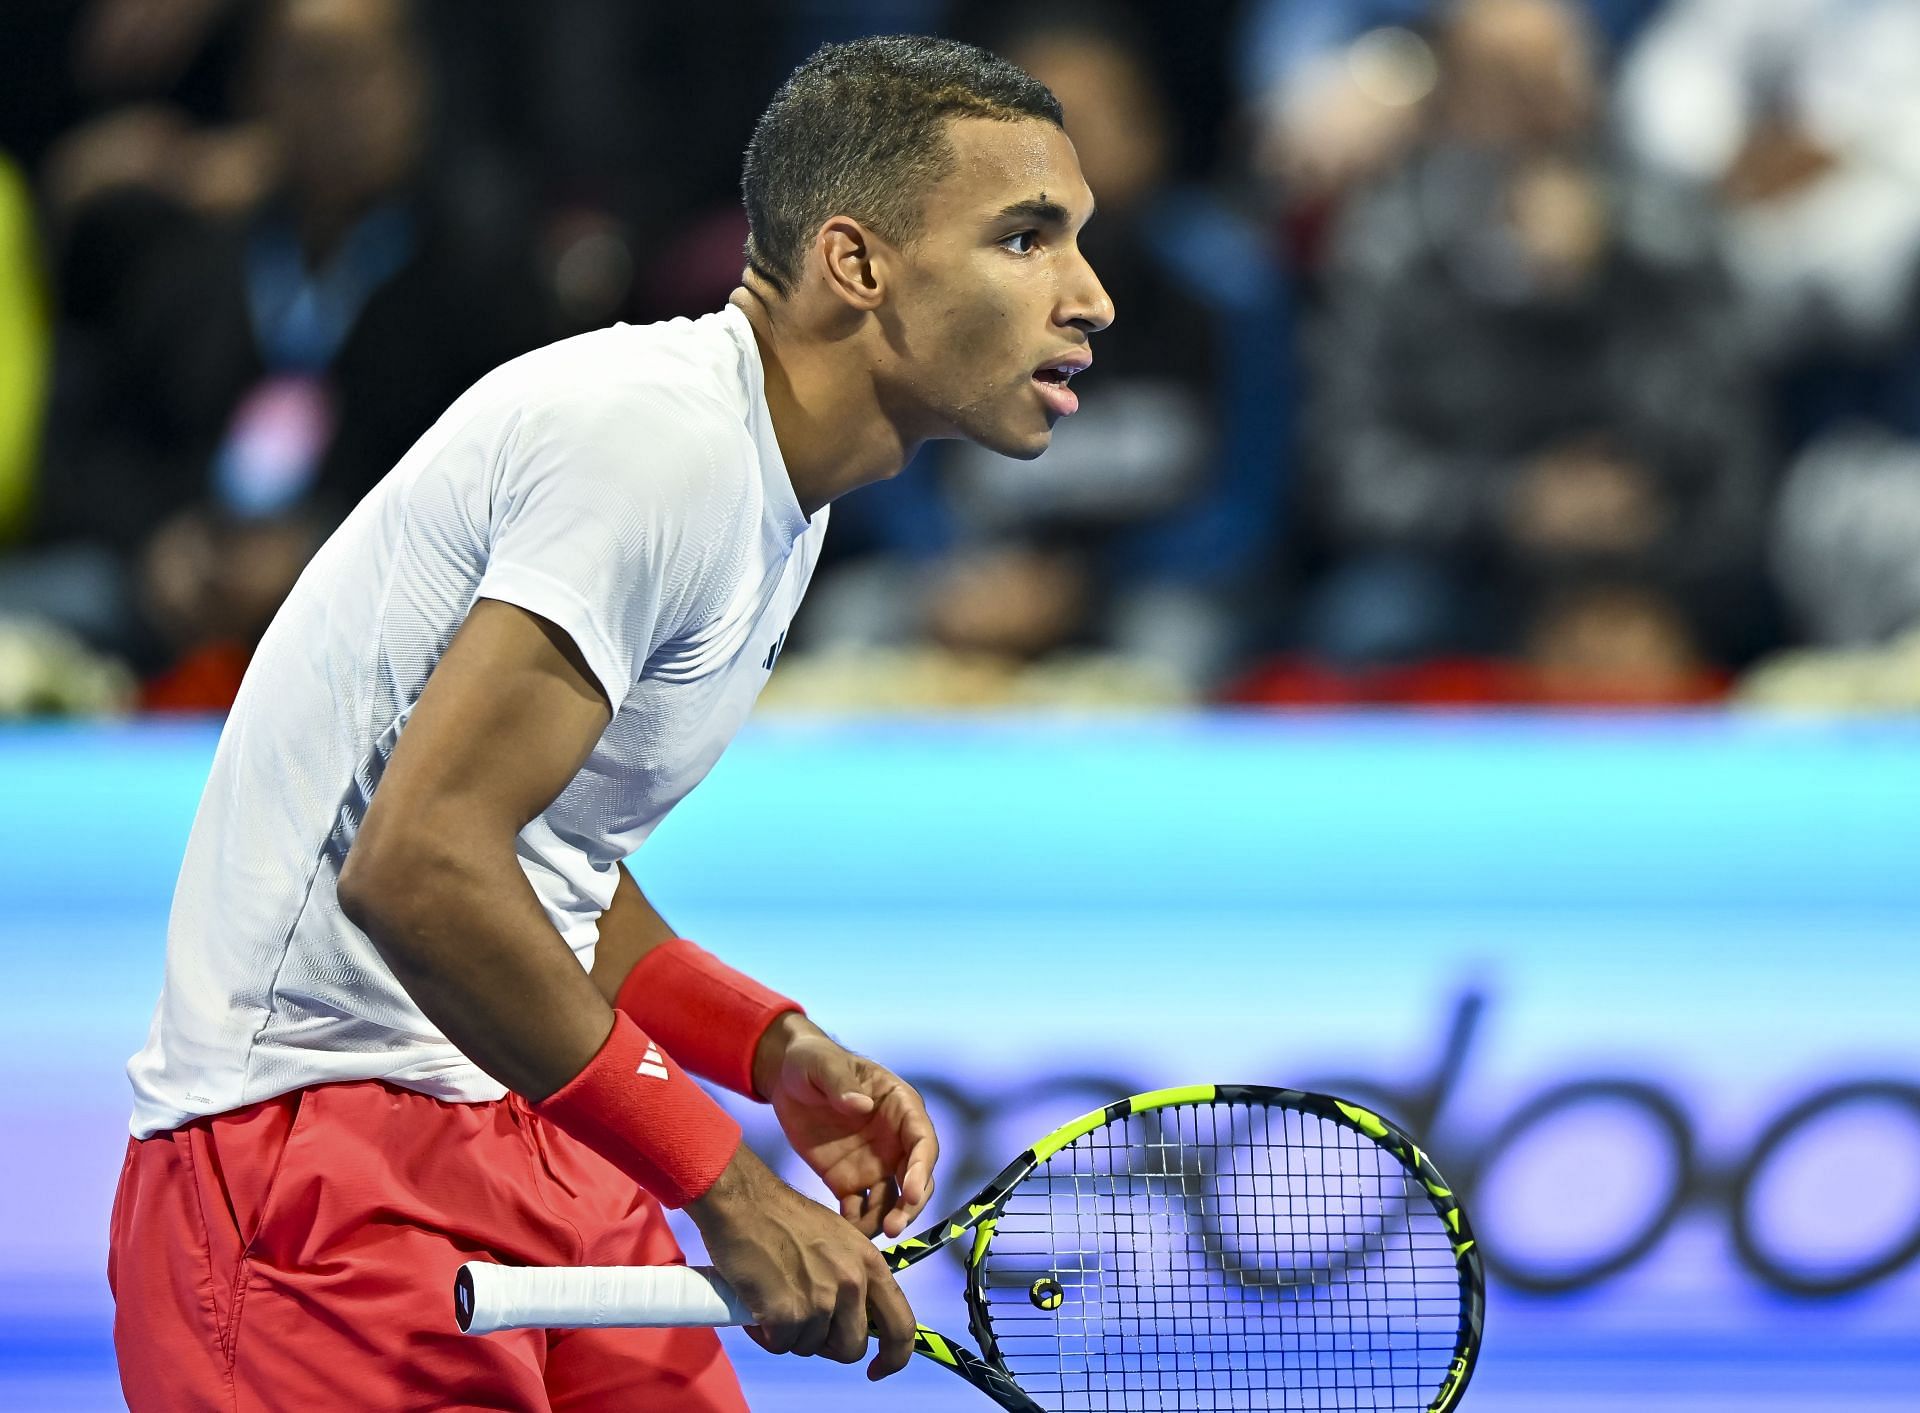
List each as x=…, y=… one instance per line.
x=1532, y=352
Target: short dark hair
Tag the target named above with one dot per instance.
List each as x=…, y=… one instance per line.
x=859, y=130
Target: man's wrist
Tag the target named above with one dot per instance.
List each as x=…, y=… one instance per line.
x=636, y=1107
x=735, y=1185
x=771, y=1052
x=709, y=1016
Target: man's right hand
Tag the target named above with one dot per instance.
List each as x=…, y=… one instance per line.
x=814, y=1284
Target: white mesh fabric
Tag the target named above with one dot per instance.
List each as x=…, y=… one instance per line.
x=624, y=484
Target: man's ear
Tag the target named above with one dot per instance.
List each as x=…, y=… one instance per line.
x=855, y=261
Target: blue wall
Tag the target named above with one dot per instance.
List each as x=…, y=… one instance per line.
x=1595, y=962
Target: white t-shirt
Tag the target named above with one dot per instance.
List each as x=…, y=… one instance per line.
x=625, y=485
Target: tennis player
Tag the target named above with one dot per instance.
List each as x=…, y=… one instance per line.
x=416, y=1010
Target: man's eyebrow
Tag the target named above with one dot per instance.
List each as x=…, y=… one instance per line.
x=1039, y=210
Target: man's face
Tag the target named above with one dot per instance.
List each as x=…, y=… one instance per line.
x=998, y=304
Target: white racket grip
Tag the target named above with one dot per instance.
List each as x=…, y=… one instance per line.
x=489, y=1297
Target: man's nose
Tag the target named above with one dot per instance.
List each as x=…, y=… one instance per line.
x=1091, y=308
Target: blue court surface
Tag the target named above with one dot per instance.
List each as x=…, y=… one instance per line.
x=1649, y=989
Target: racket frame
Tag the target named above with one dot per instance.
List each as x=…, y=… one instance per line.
x=985, y=1370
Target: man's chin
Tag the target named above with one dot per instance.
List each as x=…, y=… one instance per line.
x=1021, y=446
x=1019, y=431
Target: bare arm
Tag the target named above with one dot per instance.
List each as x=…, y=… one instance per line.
x=629, y=929
x=506, y=720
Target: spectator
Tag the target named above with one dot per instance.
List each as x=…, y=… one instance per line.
x=37, y=590
x=1334, y=87
x=632, y=143
x=1139, y=531
x=249, y=378
x=64, y=60
x=1846, y=542
x=1530, y=380
x=637, y=150
x=1804, y=115
x=23, y=350
x=1846, y=550
x=1284, y=41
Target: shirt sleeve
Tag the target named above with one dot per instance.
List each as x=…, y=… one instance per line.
x=596, y=513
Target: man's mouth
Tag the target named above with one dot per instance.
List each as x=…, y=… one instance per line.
x=1052, y=379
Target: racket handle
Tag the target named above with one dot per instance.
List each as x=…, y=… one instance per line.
x=488, y=1297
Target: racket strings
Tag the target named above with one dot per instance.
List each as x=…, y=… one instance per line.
x=1222, y=1256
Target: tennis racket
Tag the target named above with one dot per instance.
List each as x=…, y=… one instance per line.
x=1208, y=1247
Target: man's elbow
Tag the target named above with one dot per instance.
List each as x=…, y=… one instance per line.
x=391, y=885
x=412, y=873
x=368, y=888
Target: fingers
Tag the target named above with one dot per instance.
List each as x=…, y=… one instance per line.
x=759, y=1337
x=867, y=1208
x=847, y=1341
x=797, y=1266
x=814, y=1334
x=892, y=1320
x=801, y=1334
x=838, y=1332
x=915, y=1178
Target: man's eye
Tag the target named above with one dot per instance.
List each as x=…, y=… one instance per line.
x=1027, y=236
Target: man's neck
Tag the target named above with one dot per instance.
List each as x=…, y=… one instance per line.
x=826, y=405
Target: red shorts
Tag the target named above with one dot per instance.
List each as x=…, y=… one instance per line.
x=300, y=1253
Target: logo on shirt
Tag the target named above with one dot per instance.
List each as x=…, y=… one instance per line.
x=773, y=653
x=653, y=1063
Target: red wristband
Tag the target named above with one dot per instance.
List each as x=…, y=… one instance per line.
x=636, y=1108
x=709, y=1015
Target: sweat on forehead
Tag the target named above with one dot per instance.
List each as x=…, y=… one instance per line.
x=1006, y=172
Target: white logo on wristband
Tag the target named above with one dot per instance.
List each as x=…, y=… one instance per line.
x=654, y=1063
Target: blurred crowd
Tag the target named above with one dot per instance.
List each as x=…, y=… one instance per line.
x=1468, y=351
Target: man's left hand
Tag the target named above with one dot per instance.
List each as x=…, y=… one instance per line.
x=861, y=1127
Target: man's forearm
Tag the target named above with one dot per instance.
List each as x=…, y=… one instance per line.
x=629, y=929
x=467, y=937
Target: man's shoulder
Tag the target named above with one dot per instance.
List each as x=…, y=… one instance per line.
x=641, y=388
x=642, y=423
